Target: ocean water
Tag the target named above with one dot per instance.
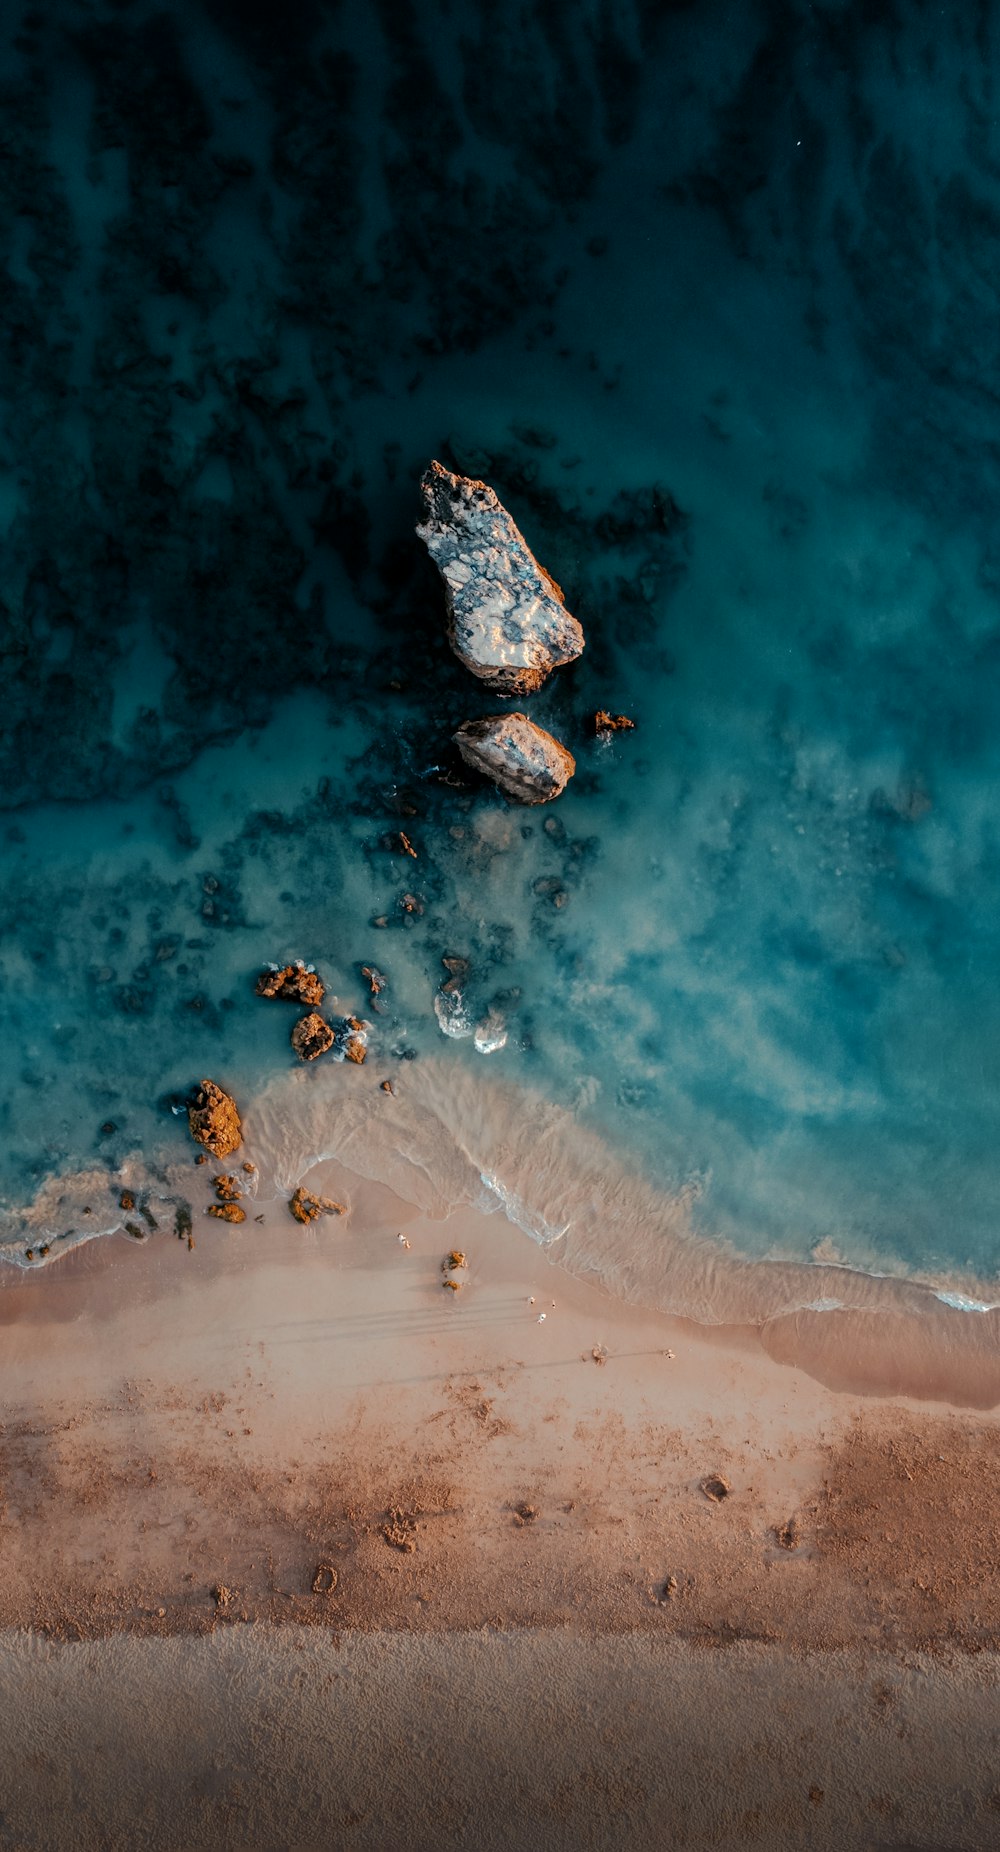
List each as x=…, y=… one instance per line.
x=708, y=293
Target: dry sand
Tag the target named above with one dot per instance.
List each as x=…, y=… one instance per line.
x=289, y=1469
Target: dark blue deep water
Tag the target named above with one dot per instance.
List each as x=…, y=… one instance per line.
x=708, y=292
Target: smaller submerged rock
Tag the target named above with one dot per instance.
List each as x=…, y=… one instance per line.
x=312, y=1036
x=214, y=1120
x=292, y=983
x=507, y=620
x=525, y=762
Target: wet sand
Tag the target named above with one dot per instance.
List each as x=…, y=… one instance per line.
x=299, y=1430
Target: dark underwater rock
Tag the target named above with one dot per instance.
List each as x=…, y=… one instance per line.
x=525, y=762
x=214, y=1120
x=507, y=620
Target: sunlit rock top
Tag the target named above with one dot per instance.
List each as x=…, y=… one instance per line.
x=523, y=760
x=506, y=618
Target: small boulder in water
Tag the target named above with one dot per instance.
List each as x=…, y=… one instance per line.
x=311, y=1036
x=353, y=1040
x=507, y=620
x=214, y=1120
x=605, y=723
x=525, y=762
x=292, y=983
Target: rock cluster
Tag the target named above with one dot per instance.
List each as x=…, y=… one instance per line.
x=507, y=620
x=214, y=1120
x=306, y=1207
x=525, y=762
x=293, y=984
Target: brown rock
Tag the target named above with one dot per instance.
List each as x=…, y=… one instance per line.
x=293, y=984
x=352, y=1039
x=227, y=1189
x=306, y=1207
x=376, y=979
x=214, y=1120
x=387, y=1086
x=311, y=1036
x=524, y=761
x=605, y=723
x=227, y=1212
x=716, y=1488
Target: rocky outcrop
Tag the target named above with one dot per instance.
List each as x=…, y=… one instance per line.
x=292, y=983
x=306, y=1207
x=352, y=1040
x=311, y=1036
x=525, y=762
x=227, y=1212
x=506, y=617
x=214, y=1120
x=605, y=723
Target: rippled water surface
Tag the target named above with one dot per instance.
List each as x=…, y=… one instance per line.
x=716, y=316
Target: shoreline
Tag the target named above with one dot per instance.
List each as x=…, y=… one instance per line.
x=286, y=1397
x=854, y=1330
x=282, y=1518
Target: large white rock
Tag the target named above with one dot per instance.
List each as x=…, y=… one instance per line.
x=525, y=761
x=506, y=617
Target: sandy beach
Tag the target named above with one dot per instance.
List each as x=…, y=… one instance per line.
x=292, y=1441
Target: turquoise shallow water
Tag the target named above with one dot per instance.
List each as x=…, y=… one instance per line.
x=716, y=317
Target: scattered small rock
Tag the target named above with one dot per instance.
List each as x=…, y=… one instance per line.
x=525, y=1514
x=227, y=1189
x=716, y=1488
x=214, y=1120
x=605, y=723
x=306, y=1207
x=788, y=1535
x=292, y=983
x=387, y=1086
x=311, y=1037
x=669, y=1589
